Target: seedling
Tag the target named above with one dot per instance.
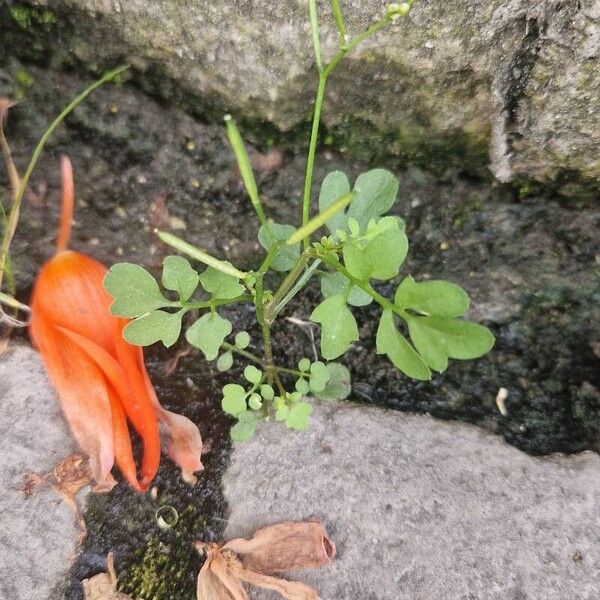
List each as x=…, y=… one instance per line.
x=351, y=245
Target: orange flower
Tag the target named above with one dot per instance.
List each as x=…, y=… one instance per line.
x=101, y=380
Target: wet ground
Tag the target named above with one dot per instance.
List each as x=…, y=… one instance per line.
x=529, y=261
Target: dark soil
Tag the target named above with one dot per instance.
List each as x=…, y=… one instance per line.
x=530, y=264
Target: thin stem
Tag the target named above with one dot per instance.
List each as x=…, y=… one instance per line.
x=244, y=353
x=291, y=371
x=355, y=41
x=308, y=273
x=324, y=73
x=312, y=150
x=257, y=360
x=381, y=300
x=314, y=26
x=260, y=307
x=13, y=217
x=217, y=302
x=339, y=20
x=286, y=284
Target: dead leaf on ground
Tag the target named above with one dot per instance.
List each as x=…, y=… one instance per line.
x=104, y=585
x=281, y=547
x=67, y=478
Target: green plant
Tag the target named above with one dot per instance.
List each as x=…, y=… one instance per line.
x=362, y=245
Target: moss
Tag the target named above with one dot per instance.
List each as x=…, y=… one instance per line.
x=30, y=16
x=162, y=570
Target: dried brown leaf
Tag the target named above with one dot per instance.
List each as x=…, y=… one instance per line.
x=67, y=478
x=281, y=547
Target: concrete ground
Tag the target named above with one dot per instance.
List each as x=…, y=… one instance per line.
x=38, y=535
x=422, y=509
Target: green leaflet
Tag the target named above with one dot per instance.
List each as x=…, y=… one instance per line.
x=334, y=186
x=338, y=384
x=335, y=283
x=380, y=257
x=134, y=291
x=404, y=357
x=234, y=399
x=179, y=276
x=439, y=338
x=221, y=285
x=208, y=333
x=436, y=297
x=376, y=192
x=156, y=326
x=338, y=326
x=287, y=255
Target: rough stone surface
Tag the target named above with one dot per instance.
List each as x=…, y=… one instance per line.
x=38, y=535
x=519, y=77
x=421, y=509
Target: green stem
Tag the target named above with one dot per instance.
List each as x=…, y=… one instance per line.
x=260, y=307
x=286, y=284
x=339, y=20
x=381, y=300
x=306, y=275
x=312, y=150
x=314, y=27
x=355, y=41
x=252, y=357
x=217, y=302
x=257, y=360
x=14, y=212
x=324, y=74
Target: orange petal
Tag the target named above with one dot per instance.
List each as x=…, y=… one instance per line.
x=83, y=395
x=122, y=443
x=184, y=442
x=131, y=359
x=120, y=380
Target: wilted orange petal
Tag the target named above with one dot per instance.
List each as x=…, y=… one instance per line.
x=82, y=392
x=120, y=381
x=122, y=443
x=184, y=443
x=132, y=360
